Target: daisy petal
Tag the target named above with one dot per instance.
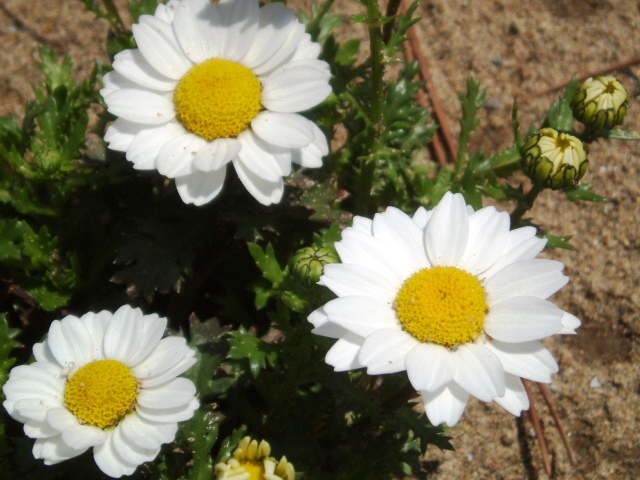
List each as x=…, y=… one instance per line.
x=144, y=149
x=176, y=393
x=311, y=155
x=70, y=342
x=110, y=462
x=240, y=18
x=132, y=65
x=288, y=130
x=259, y=157
x=445, y=405
x=385, y=350
x=216, y=154
x=401, y=233
x=569, y=324
x=343, y=355
x=488, y=233
x=82, y=437
x=528, y=359
x=515, y=399
x=295, y=88
x=53, y=450
x=264, y=191
x=276, y=38
x=522, y=319
x=478, y=371
x=201, y=187
x=318, y=318
x=167, y=415
x=526, y=278
x=159, y=46
x=192, y=25
x=121, y=133
x=175, y=158
x=345, y=280
x=447, y=233
x=147, y=434
x=140, y=106
x=522, y=244
x=361, y=315
x=130, y=451
x=429, y=367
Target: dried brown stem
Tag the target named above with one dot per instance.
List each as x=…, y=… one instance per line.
x=546, y=394
x=614, y=67
x=438, y=112
x=537, y=426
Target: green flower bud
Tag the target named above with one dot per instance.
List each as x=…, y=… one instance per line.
x=554, y=160
x=600, y=103
x=308, y=262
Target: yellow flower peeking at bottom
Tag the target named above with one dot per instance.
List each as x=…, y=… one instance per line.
x=251, y=461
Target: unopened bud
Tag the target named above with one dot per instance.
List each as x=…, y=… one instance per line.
x=554, y=160
x=308, y=262
x=600, y=103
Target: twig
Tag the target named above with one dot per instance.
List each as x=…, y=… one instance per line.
x=537, y=426
x=423, y=101
x=438, y=111
x=546, y=394
x=603, y=71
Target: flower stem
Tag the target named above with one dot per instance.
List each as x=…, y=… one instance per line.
x=524, y=203
x=375, y=125
x=114, y=16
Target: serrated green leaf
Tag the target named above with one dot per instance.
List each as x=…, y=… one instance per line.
x=622, y=134
x=267, y=263
x=583, y=192
x=259, y=354
x=560, y=115
x=559, y=242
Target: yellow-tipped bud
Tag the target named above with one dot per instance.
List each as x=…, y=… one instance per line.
x=552, y=159
x=600, y=103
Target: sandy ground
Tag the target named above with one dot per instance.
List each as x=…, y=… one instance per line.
x=516, y=49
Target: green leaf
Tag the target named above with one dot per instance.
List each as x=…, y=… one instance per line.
x=583, y=192
x=471, y=104
x=560, y=115
x=202, y=431
x=323, y=198
x=621, y=134
x=267, y=263
x=247, y=347
x=559, y=242
x=230, y=443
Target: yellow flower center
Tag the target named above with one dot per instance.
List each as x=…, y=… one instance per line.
x=218, y=99
x=101, y=393
x=255, y=469
x=443, y=305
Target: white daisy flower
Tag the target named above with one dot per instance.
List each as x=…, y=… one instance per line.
x=213, y=84
x=452, y=297
x=107, y=381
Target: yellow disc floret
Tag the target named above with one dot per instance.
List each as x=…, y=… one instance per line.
x=218, y=99
x=101, y=393
x=254, y=469
x=443, y=305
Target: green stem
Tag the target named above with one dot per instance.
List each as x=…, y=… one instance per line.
x=524, y=204
x=313, y=27
x=114, y=16
x=375, y=126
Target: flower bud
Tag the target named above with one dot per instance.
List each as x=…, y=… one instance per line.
x=600, y=103
x=554, y=160
x=308, y=262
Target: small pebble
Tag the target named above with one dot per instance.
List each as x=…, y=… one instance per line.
x=595, y=383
